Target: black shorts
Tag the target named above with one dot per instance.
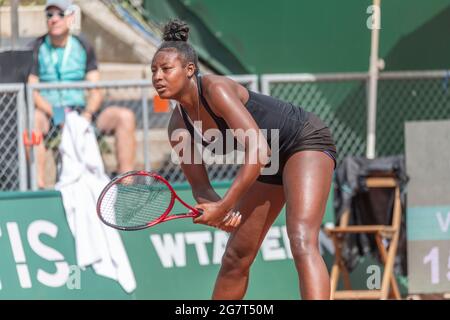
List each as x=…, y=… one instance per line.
x=316, y=136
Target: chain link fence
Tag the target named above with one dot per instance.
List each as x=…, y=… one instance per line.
x=154, y=151
x=341, y=101
x=13, y=174
x=408, y=96
x=134, y=95
x=338, y=99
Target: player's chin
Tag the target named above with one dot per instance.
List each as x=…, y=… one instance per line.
x=164, y=94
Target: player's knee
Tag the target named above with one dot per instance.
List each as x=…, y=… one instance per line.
x=236, y=261
x=303, y=242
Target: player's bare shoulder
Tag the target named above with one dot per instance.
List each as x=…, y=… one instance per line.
x=212, y=83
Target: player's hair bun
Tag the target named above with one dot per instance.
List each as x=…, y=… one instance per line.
x=176, y=30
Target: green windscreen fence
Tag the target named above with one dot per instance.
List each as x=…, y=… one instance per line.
x=340, y=104
x=313, y=36
x=174, y=260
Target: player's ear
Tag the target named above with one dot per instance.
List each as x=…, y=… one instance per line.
x=190, y=69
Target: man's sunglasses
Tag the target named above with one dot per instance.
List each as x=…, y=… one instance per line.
x=50, y=15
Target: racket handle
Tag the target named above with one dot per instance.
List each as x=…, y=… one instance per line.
x=200, y=211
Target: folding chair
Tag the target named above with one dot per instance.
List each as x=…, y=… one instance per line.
x=381, y=232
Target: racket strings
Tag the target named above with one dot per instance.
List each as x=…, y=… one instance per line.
x=135, y=201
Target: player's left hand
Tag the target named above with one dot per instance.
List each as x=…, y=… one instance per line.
x=231, y=221
x=214, y=215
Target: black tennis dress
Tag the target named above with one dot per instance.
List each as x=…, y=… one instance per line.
x=298, y=129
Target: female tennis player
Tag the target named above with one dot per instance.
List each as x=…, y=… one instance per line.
x=306, y=154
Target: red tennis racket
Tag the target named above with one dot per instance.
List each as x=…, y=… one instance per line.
x=139, y=199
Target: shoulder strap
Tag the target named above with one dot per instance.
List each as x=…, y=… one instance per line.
x=190, y=127
x=220, y=121
x=187, y=123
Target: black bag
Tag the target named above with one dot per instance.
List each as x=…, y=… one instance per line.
x=369, y=207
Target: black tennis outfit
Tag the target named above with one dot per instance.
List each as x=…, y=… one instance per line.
x=299, y=129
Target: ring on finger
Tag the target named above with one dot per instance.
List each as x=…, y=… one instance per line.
x=227, y=216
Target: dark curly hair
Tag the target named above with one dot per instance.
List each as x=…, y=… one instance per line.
x=176, y=34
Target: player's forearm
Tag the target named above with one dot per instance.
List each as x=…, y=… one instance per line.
x=246, y=176
x=205, y=195
x=255, y=159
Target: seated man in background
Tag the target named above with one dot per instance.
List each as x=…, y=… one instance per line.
x=60, y=56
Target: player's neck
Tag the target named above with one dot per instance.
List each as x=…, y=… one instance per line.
x=59, y=41
x=190, y=99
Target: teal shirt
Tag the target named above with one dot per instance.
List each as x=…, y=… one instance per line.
x=68, y=64
x=63, y=65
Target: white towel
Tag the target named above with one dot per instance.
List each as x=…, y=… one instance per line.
x=81, y=181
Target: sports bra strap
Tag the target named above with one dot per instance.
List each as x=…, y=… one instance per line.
x=221, y=124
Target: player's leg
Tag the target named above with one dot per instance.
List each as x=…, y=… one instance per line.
x=259, y=208
x=307, y=179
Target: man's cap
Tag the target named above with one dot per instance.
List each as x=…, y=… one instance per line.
x=61, y=4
